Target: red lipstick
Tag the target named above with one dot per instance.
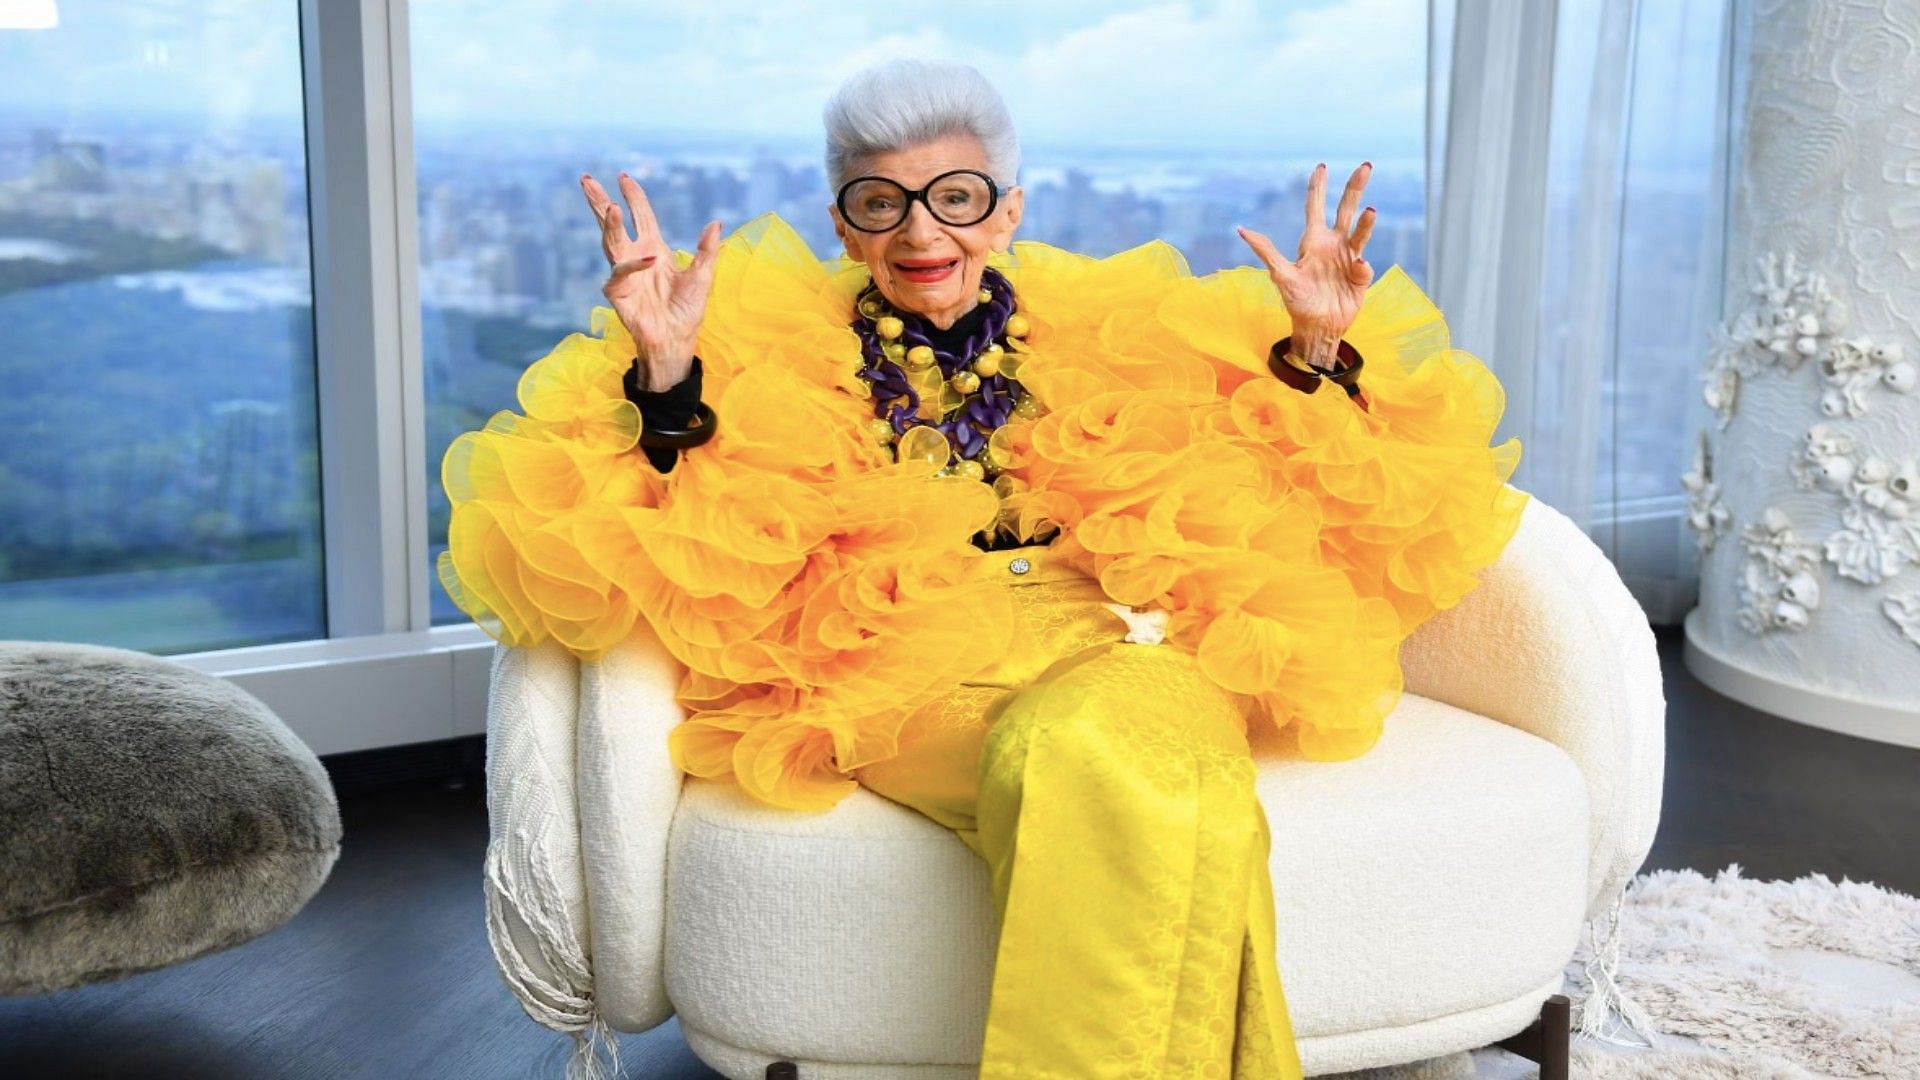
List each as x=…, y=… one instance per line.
x=925, y=271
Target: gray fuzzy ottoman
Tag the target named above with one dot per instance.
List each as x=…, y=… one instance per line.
x=149, y=814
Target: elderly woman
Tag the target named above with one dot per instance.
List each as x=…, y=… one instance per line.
x=1042, y=546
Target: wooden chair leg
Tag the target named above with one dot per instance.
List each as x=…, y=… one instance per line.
x=1547, y=1039
x=783, y=1070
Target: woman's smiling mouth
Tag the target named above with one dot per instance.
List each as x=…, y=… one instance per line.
x=925, y=271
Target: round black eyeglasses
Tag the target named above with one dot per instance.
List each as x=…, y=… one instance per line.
x=961, y=197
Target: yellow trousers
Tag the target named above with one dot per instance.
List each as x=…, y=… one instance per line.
x=1109, y=787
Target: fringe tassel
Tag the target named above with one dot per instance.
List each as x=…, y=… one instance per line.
x=587, y=1042
x=1607, y=1006
x=563, y=1003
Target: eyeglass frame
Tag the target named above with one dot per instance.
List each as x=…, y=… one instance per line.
x=994, y=191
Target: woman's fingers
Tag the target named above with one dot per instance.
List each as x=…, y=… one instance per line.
x=596, y=195
x=707, y=250
x=646, y=229
x=597, y=199
x=613, y=235
x=691, y=286
x=1364, y=231
x=627, y=266
x=1350, y=198
x=1264, y=248
x=616, y=228
x=1317, y=199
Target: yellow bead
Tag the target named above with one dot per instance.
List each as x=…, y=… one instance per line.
x=923, y=443
x=972, y=470
x=994, y=346
x=881, y=429
x=965, y=381
x=986, y=296
x=895, y=351
x=920, y=357
x=1017, y=325
x=889, y=327
x=871, y=307
x=999, y=449
x=988, y=364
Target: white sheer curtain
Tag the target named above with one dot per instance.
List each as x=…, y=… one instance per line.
x=1576, y=164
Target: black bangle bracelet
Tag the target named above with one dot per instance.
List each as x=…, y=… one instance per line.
x=1347, y=378
x=704, y=427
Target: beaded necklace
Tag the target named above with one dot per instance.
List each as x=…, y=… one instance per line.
x=973, y=391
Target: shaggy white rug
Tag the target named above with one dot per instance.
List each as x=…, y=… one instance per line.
x=1743, y=980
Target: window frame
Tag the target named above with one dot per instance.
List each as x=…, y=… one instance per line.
x=383, y=675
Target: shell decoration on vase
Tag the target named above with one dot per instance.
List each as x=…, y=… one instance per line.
x=1778, y=589
x=1825, y=461
x=1792, y=319
x=1852, y=366
x=1882, y=533
x=1904, y=610
x=1707, y=513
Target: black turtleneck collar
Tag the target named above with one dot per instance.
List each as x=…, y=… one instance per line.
x=950, y=339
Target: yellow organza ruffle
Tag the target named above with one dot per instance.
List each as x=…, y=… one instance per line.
x=819, y=593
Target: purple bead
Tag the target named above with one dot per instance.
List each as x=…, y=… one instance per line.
x=991, y=405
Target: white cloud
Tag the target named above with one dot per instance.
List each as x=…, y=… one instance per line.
x=1319, y=75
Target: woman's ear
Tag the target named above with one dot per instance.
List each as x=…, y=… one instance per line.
x=845, y=234
x=1013, y=204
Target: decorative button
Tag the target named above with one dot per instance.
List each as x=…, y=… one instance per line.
x=1020, y=565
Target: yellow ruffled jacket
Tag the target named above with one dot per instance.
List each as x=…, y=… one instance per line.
x=818, y=592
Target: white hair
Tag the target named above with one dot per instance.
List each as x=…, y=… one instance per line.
x=905, y=102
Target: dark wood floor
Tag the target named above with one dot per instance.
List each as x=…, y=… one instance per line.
x=386, y=973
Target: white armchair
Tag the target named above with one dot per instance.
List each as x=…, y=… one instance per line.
x=1429, y=894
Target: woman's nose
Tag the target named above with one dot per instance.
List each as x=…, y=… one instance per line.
x=920, y=225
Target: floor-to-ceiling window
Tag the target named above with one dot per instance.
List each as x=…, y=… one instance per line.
x=158, y=447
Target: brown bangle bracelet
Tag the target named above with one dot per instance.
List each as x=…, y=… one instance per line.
x=705, y=425
x=1347, y=377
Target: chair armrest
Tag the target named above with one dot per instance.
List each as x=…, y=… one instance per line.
x=535, y=890
x=629, y=790
x=1552, y=643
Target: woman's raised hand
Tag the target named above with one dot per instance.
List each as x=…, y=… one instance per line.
x=659, y=305
x=1324, y=285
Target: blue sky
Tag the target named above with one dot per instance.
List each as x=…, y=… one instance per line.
x=1341, y=76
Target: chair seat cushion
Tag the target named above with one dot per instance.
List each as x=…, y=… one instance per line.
x=149, y=814
x=1443, y=874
